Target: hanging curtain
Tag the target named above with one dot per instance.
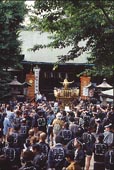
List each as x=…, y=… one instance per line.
x=59, y=75
x=51, y=74
x=45, y=75
x=66, y=75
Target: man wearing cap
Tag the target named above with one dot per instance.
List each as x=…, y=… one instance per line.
x=108, y=135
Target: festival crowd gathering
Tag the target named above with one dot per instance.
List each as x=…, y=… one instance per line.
x=41, y=135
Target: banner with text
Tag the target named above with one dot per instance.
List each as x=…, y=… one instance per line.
x=36, y=73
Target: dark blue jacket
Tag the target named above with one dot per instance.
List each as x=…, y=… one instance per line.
x=109, y=160
x=56, y=157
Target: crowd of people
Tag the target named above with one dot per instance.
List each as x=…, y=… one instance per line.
x=43, y=136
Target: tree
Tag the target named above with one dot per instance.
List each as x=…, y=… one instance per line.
x=71, y=21
x=11, y=16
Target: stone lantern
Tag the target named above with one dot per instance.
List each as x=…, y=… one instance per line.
x=16, y=87
x=104, y=85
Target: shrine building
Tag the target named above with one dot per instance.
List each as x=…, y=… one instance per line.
x=41, y=62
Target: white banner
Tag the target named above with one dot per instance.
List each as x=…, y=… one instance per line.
x=36, y=73
x=85, y=91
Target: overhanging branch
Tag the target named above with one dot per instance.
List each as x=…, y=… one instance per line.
x=100, y=5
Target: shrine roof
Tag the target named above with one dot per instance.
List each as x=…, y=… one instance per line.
x=46, y=55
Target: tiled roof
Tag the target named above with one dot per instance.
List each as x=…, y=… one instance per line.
x=47, y=55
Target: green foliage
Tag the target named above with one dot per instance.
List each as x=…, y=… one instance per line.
x=4, y=87
x=71, y=21
x=11, y=16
